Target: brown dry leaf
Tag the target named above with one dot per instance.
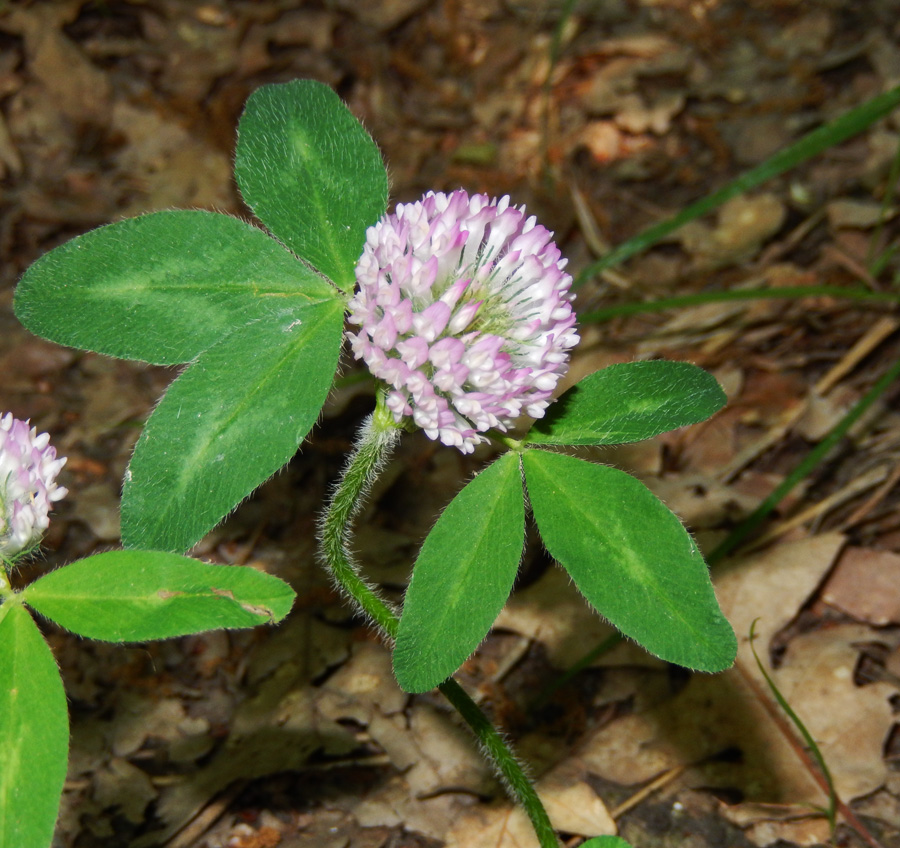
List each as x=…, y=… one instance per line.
x=635, y=116
x=10, y=158
x=32, y=359
x=808, y=831
x=715, y=713
x=773, y=585
x=849, y=723
x=440, y=761
x=169, y=165
x=446, y=758
x=735, y=709
x=573, y=807
x=393, y=805
x=437, y=754
x=199, y=49
x=382, y=15
x=125, y=787
x=277, y=728
x=603, y=139
x=492, y=827
x=856, y=214
x=97, y=505
x=643, y=459
x=633, y=57
x=115, y=397
x=71, y=82
x=138, y=719
x=698, y=319
x=362, y=687
x=823, y=413
x=744, y=224
x=866, y=585
x=590, y=359
x=552, y=612
x=444, y=772
x=808, y=35
x=700, y=500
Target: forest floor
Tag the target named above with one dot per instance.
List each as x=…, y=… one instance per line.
x=602, y=122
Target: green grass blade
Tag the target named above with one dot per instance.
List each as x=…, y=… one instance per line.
x=831, y=812
x=700, y=298
x=756, y=518
x=813, y=143
x=875, y=263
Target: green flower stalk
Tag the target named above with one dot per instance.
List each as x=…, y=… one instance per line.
x=378, y=437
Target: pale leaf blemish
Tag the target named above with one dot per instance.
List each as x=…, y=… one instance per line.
x=253, y=609
x=300, y=146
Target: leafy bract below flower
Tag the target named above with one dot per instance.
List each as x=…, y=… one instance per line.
x=465, y=311
x=28, y=469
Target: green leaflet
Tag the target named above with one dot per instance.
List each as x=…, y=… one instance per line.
x=34, y=732
x=163, y=287
x=628, y=403
x=631, y=559
x=462, y=577
x=311, y=174
x=136, y=596
x=229, y=422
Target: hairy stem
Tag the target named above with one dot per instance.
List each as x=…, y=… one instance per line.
x=503, y=760
x=377, y=439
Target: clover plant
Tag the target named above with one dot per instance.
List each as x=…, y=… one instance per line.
x=461, y=308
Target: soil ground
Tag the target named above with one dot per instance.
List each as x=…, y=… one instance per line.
x=602, y=117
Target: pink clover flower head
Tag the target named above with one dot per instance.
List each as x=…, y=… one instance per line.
x=28, y=469
x=465, y=312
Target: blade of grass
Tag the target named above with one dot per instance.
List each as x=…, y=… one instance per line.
x=699, y=298
x=813, y=143
x=883, y=259
x=835, y=804
x=586, y=661
x=831, y=811
x=805, y=467
x=556, y=44
x=874, y=263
